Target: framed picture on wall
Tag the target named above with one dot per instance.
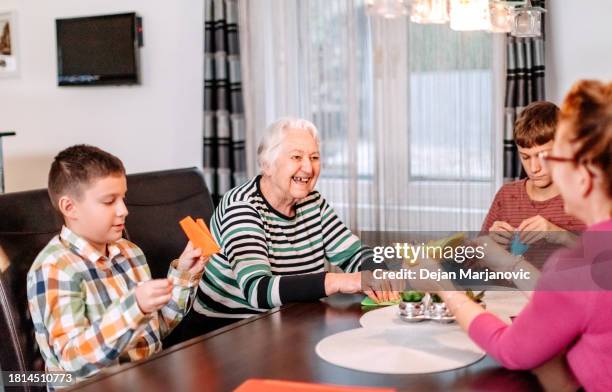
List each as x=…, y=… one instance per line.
x=9, y=66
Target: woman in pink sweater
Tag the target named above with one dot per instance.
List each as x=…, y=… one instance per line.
x=571, y=310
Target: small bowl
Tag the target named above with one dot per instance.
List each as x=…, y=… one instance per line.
x=438, y=310
x=411, y=309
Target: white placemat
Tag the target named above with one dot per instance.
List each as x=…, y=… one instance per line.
x=400, y=350
x=505, y=303
x=502, y=303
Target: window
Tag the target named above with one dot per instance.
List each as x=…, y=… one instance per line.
x=451, y=98
x=407, y=113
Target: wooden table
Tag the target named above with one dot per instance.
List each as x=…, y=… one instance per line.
x=280, y=345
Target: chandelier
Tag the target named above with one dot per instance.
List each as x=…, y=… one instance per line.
x=517, y=17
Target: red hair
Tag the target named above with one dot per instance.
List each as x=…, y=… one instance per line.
x=587, y=108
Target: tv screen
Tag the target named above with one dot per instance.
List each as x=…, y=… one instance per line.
x=97, y=50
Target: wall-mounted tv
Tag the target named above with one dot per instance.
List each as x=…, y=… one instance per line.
x=98, y=50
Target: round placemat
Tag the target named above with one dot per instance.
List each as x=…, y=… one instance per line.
x=398, y=350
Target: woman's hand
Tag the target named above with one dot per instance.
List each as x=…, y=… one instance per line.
x=347, y=283
x=462, y=307
x=381, y=290
x=351, y=283
x=495, y=256
x=499, y=259
x=555, y=375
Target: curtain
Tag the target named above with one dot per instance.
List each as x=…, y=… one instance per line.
x=409, y=115
x=224, y=158
x=524, y=84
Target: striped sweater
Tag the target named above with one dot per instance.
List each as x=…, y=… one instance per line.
x=513, y=205
x=269, y=259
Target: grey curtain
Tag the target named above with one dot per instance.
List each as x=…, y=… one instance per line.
x=224, y=160
x=524, y=84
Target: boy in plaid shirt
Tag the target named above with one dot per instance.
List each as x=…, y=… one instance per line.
x=90, y=292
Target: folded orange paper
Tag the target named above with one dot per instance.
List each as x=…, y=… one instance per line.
x=204, y=228
x=199, y=235
x=258, y=385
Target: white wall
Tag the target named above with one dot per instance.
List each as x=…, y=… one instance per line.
x=152, y=126
x=579, y=44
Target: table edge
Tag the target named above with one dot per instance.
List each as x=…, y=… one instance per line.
x=121, y=368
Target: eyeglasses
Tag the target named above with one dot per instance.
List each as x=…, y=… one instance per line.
x=546, y=158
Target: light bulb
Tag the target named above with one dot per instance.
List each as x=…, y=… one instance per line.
x=470, y=15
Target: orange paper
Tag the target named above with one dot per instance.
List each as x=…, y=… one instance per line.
x=199, y=235
x=203, y=226
x=258, y=385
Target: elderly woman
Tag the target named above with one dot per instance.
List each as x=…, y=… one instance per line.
x=276, y=232
x=569, y=313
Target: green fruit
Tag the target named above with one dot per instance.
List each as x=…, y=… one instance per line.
x=436, y=298
x=412, y=296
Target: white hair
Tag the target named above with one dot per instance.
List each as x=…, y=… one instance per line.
x=273, y=137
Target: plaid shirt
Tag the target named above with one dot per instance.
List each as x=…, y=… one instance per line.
x=84, y=307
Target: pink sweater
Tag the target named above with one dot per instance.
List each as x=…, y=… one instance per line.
x=570, y=309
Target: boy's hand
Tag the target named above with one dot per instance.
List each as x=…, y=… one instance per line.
x=537, y=227
x=153, y=295
x=501, y=232
x=191, y=260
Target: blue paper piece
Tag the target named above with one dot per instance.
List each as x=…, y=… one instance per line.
x=518, y=248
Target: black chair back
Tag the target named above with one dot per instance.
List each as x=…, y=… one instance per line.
x=28, y=222
x=157, y=202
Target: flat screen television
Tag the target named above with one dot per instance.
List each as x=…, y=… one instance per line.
x=98, y=50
